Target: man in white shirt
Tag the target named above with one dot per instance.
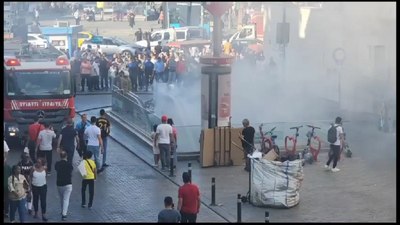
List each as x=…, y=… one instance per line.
x=37, y=16
x=45, y=145
x=334, y=153
x=95, y=143
x=165, y=137
x=95, y=75
x=6, y=149
x=77, y=17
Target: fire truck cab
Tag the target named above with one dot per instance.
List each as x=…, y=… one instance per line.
x=37, y=83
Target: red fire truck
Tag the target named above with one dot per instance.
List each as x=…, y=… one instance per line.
x=37, y=83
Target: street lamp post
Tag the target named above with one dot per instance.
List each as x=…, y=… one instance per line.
x=215, y=88
x=189, y=14
x=217, y=36
x=339, y=56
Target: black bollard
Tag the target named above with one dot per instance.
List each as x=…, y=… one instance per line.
x=213, y=191
x=171, y=165
x=239, y=208
x=266, y=216
x=190, y=170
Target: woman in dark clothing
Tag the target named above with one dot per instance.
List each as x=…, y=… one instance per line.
x=26, y=166
x=39, y=187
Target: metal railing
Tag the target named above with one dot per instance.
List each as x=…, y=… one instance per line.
x=130, y=108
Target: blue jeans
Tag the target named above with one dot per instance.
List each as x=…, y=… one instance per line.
x=20, y=205
x=172, y=77
x=105, y=150
x=96, y=151
x=158, y=76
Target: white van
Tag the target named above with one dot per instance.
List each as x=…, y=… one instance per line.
x=171, y=35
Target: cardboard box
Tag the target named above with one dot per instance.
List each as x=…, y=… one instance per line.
x=271, y=155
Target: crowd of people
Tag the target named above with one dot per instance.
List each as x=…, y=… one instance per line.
x=93, y=69
x=25, y=184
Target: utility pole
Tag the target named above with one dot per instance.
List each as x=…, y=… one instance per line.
x=230, y=19
x=284, y=21
x=189, y=14
x=284, y=42
x=165, y=24
x=201, y=15
x=217, y=36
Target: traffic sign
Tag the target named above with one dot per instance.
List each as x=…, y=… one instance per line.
x=339, y=55
x=217, y=8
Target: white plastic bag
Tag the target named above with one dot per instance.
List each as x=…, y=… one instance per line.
x=276, y=184
x=26, y=150
x=82, y=168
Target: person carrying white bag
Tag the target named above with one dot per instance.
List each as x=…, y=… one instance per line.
x=90, y=172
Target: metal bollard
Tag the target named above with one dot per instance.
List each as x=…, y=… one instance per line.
x=266, y=216
x=239, y=208
x=190, y=170
x=171, y=165
x=213, y=191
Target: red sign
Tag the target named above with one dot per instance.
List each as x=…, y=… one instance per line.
x=224, y=99
x=217, y=8
x=225, y=106
x=39, y=104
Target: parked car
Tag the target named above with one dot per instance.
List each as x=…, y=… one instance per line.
x=110, y=46
x=181, y=34
x=83, y=36
x=90, y=6
x=38, y=40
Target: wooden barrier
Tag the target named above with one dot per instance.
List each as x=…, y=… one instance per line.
x=221, y=146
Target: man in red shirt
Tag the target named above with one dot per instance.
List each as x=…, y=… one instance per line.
x=33, y=133
x=189, y=200
x=180, y=70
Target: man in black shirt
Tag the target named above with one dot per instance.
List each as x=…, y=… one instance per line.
x=104, y=124
x=75, y=72
x=158, y=48
x=66, y=140
x=64, y=184
x=139, y=34
x=247, y=141
x=103, y=67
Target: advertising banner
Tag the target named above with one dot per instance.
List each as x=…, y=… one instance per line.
x=204, y=101
x=224, y=99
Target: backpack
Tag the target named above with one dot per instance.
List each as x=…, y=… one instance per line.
x=332, y=134
x=102, y=123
